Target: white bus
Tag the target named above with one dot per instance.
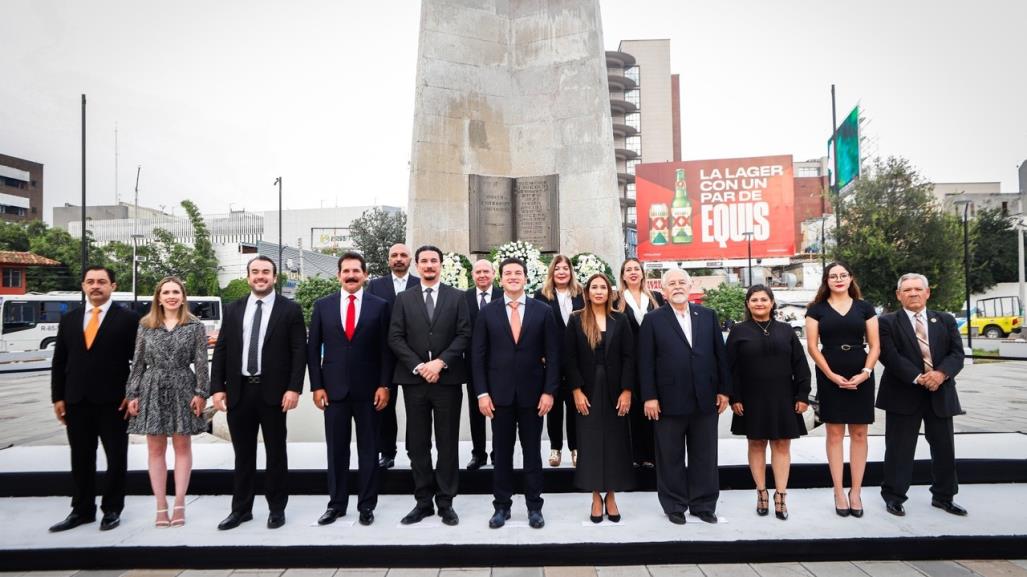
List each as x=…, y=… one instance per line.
x=30, y=320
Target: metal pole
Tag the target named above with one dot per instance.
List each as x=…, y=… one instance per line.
x=135, y=237
x=966, y=273
x=281, y=266
x=85, y=248
x=837, y=196
x=748, y=237
x=1020, y=265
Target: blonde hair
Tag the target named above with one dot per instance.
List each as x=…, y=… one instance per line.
x=155, y=318
x=549, y=286
x=621, y=304
x=589, y=325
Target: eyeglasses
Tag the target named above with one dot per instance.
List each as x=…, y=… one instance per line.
x=843, y=276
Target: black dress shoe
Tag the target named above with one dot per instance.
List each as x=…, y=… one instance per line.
x=71, y=521
x=233, y=520
x=477, y=462
x=275, y=520
x=499, y=518
x=416, y=515
x=706, y=516
x=611, y=517
x=449, y=516
x=535, y=519
x=330, y=515
x=110, y=521
x=895, y=509
x=677, y=518
x=948, y=507
x=387, y=462
x=366, y=517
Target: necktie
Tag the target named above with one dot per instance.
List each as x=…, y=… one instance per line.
x=93, y=327
x=351, y=317
x=921, y=339
x=251, y=356
x=429, y=303
x=482, y=303
x=515, y=320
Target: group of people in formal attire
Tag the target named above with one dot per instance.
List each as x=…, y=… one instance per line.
x=637, y=378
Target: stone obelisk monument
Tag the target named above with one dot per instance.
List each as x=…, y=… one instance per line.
x=518, y=89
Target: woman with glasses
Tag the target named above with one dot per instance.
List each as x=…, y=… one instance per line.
x=846, y=328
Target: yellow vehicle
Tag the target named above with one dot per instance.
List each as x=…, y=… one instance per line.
x=994, y=317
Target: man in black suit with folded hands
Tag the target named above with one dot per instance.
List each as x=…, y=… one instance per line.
x=515, y=357
x=429, y=333
x=478, y=297
x=350, y=368
x=257, y=376
x=91, y=363
x=922, y=352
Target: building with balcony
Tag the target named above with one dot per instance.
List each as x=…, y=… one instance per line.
x=21, y=189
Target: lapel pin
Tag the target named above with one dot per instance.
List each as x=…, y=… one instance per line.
x=934, y=320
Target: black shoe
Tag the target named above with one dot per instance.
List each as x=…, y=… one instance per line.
x=275, y=520
x=110, y=521
x=499, y=518
x=677, y=518
x=71, y=521
x=233, y=520
x=857, y=513
x=780, y=509
x=417, y=514
x=387, y=462
x=536, y=520
x=842, y=512
x=706, y=516
x=330, y=515
x=366, y=517
x=948, y=507
x=477, y=462
x=614, y=518
x=762, y=502
x=449, y=516
x=895, y=509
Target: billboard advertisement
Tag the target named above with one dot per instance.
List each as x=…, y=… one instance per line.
x=702, y=209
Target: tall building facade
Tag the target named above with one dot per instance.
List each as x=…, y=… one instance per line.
x=21, y=189
x=646, y=111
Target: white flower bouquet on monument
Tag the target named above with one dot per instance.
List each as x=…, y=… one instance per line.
x=456, y=270
x=587, y=264
x=531, y=257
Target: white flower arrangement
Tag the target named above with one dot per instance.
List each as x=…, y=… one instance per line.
x=587, y=264
x=455, y=272
x=531, y=257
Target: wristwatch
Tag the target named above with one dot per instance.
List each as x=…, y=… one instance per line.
x=868, y=370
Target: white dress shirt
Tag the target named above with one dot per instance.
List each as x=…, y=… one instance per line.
x=486, y=294
x=520, y=308
x=638, y=309
x=685, y=320
x=399, y=283
x=247, y=328
x=89, y=313
x=563, y=298
x=912, y=322
x=344, y=306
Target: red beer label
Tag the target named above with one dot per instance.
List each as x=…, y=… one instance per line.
x=680, y=221
x=659, y=223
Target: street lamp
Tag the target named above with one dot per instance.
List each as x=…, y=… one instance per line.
x=278, y=181
x=966, y=270
x=135, y=269
x=748, y=240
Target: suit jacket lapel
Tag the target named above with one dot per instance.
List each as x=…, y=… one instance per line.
x=934, y=335
x=907, y=328
x=441, y=296
x=672, y=318
x=334, y=320
x=697, y=326
x=362, y=319
x=277, y=310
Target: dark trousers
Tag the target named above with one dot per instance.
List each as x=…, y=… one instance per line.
x=477, y=422
x=389, y=426
x=696, y=487
x=439, y=404
x=900, y=436
x=248, y=416
x=87, y=423
x=507, y=422
x=563, y=403
x=642, y=436
x=339, y=418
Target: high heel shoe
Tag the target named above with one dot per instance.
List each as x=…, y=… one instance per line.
x=574, y=458
x=841, y=512
x=780, y=509
x=555, y=457
x=596, y=518
x=857, y=513
x=762, y=502
x=610, y=516
x=162, y=524
x=180, y=521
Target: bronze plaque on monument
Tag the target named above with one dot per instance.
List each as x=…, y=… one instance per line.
x=503, y=209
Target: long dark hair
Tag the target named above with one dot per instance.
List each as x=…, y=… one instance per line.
x=589, y=324
x=825, y=290
x=758, y=288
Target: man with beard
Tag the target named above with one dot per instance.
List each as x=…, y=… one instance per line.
x=685, y=382
x=350, y=370
x=482, y=293
x=429, y=332
x=387, y=287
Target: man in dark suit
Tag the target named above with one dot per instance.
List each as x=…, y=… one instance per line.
x=481, y=294
x=387, y=287
x=685, y=383
x=515, y=358
x=350, y=370
x=91, y=363
x=429, y=333
x=257, y=376
x=922, y=353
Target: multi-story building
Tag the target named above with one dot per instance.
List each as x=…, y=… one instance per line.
x=21, y=189
x=645, y=105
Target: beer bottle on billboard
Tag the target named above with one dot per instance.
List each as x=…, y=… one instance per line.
x=658, y=231
x=680, y=211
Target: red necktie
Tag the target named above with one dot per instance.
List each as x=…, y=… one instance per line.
x=351, y=317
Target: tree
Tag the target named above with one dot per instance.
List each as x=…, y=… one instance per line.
x=59, y=245
x=373, y=233
x=13, y=236
x=727, y=300
x=892, y=225
x=201, y=274
x=311, y=289
x=993, y=251
x=236, y=289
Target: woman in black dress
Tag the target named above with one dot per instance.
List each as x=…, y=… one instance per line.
x=562, y=293
x=599, y=360
x=846, y=328
x=635, y=301
x=771, y=384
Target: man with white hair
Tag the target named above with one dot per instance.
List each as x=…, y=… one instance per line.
x=922, y=352
x=482, y=293
x=685, y=383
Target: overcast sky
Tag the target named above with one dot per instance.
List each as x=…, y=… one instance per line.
x=216, y=99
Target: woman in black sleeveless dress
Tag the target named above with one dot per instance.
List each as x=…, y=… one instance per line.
x=846, y=328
